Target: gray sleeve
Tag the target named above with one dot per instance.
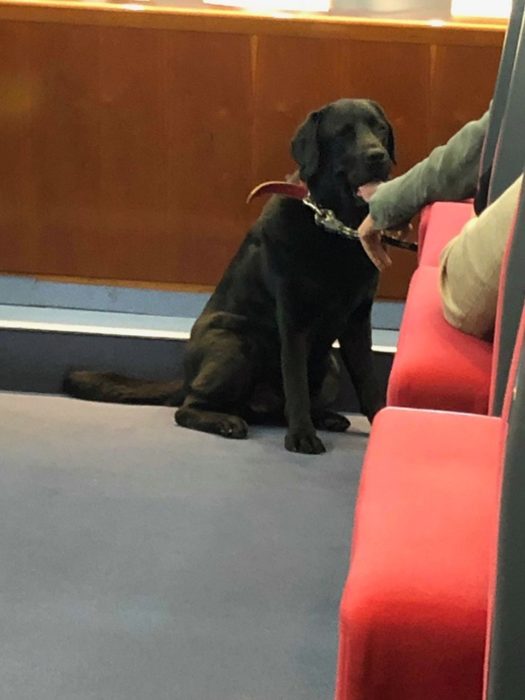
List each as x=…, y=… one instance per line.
x=449, y=173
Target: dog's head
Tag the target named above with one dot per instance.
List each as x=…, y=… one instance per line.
x=341, y=147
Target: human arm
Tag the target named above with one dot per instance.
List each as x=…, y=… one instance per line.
x=449, y=173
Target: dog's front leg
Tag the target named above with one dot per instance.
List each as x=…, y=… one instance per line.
x=301, y=435
x=356, y=351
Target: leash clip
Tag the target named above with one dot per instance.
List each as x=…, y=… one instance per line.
x=328, y=220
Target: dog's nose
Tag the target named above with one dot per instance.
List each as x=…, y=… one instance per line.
x=375, y=156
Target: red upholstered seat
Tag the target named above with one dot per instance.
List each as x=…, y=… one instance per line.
x=441, y=222
x=413, y=614
x=424, y=220
x=437, y=366
x=428, y=212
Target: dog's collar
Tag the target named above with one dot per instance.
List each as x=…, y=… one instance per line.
x=296, y=190
x=325, y=218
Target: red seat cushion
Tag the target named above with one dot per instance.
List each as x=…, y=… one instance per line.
x=424, y=219
x=441, y=222
x=426, y=215
x=414, y=609
x=437, y=366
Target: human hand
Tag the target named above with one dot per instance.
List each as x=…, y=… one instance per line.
x=370, y=237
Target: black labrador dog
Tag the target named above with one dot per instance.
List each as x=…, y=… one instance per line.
x=261, y=351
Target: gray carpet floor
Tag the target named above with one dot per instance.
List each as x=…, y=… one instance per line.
x=142, y=561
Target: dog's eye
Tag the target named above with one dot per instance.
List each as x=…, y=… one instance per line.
x=375, y=124
x=347, y=131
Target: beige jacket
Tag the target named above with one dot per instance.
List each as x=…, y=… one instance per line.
x=470, y=266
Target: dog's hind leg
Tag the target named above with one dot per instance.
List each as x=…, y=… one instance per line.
x=218, y=393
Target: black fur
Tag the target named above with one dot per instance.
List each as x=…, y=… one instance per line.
x=262, y=348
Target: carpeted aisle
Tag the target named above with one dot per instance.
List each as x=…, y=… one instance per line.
x=142, y=561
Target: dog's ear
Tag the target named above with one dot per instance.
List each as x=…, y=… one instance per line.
x=305, y=146
x=391, y=144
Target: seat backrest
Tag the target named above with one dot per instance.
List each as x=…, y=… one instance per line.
x=510, y=302
x=509, y=156
x=505, y=656
x=499, y=101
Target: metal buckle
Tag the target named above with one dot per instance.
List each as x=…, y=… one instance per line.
x=328, y=220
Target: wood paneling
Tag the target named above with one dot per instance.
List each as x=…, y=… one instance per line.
x=463, y=80
x=131, y=159
x=292, y=76
x=19, y=90
x=209, y=132
x=127, y=151
x=65, y=141
x=135, y=154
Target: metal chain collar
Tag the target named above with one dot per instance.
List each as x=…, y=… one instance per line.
x=328, y=220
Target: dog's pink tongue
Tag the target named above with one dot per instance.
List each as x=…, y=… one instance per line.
x=367, y=190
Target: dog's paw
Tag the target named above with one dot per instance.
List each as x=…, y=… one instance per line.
x=305, y=442
x=232, y=427
x=334, y=422
x=224, y=424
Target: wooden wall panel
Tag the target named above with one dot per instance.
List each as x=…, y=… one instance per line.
x=133, y=152
x=463, y=79
x=19, y=91
x=209, y=116
x=64, y=139
x=128, y=152
x=292, y=76
x=125, y=163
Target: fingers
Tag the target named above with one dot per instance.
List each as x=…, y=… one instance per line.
x=399, y=235
x=402, y=233
x=376, y=251
x=371, y=241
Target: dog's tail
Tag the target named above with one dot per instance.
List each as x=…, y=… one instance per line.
x=115, y=388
